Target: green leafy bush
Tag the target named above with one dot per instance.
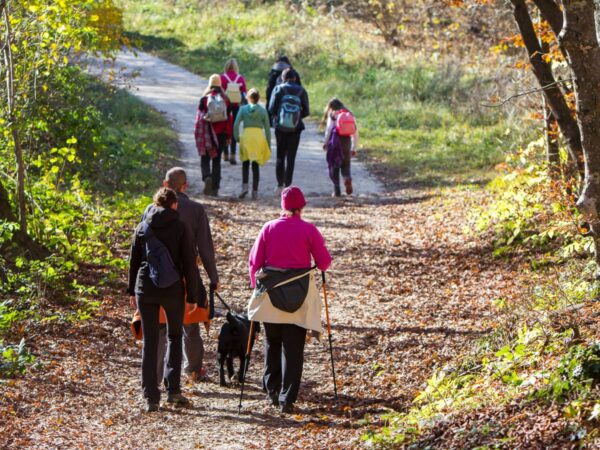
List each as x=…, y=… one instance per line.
x=16, y=359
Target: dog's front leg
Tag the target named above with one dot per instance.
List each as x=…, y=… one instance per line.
x=221, y=359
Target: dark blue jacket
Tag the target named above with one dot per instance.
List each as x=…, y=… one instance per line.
x=288, y=88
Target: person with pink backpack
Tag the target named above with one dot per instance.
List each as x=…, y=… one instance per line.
x=341, y=141
x=234, y=85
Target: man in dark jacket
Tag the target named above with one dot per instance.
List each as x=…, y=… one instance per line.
x=194, y=216
x=275, y=78
x=287, y=141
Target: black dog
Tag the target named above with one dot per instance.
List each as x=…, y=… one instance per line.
x=233, y=339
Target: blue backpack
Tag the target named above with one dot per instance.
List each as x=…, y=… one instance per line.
x=163, y=272
x=290, y=111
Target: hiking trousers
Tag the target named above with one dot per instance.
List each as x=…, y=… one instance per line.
x=287, y=147
x=334, y=172
x=206, y=162
x=193, y=350
x=149, y=310
x=284, y=360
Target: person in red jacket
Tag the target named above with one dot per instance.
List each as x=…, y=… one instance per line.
x=234, y=85
x=213, y=132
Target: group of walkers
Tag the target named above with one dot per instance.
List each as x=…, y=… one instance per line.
x=227, y=105
x=170, y=243
x=173, y=238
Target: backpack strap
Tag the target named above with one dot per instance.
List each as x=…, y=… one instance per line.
x=227, y=78
x=237, y=78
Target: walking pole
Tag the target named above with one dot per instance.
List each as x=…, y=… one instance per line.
x=246, y=364
x=329, y=334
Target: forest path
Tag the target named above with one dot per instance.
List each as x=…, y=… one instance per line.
x=408, y=292
x=175, y=92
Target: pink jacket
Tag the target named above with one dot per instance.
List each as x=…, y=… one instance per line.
x=288, y=243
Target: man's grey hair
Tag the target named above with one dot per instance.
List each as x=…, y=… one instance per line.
x=176, y=178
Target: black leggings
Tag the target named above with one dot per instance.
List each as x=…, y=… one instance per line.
x=255, y=174
x=287, y=147
x=215, y=171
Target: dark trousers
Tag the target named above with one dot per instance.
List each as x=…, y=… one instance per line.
x=287, y=147
x=255, y=174
x=206, y=162
x=284, y=359
x=334, y=172
x=149, y=310
x=234, y=113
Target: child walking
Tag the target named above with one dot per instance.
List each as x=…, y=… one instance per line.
x=213, y=132
x=234, y=85
x=255, y=142
x=341, y=141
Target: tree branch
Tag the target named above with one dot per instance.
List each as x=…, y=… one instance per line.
x=551, y=13
x=524, y=93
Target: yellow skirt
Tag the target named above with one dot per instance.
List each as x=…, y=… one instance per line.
x=254, y=146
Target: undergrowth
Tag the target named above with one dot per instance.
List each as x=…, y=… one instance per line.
x=419, y=114
x=94, y=161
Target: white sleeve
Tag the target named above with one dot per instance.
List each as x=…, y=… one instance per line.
x=329, y=128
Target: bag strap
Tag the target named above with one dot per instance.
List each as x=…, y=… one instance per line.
x=297, y=277
x=237, y=78
x=227, y=78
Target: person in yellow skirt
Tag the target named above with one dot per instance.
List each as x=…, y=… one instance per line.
x=255, y=141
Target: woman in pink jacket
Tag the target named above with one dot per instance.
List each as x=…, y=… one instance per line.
x=287, y=243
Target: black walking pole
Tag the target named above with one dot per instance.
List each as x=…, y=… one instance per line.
x=246, y=364
x=329, y=334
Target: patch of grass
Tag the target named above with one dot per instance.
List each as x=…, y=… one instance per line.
x=422, y=118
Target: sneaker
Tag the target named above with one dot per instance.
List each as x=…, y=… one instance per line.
x=207, y=186
x=336, y=192
x=178, y=400
x=278, y=190
x=232, y=160
x=348, y=185
x=226, y=155
x=254, y=195
x=286, y=408
x=152, y=406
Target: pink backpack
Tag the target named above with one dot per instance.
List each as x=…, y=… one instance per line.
x=345, y=123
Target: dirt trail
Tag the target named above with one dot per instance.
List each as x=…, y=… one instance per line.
x=409, y=291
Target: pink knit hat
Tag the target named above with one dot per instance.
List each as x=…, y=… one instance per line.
x=292, y=198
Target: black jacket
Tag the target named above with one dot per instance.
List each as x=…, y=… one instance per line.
x=274, y=75
x=175, y=235
x=289, y=89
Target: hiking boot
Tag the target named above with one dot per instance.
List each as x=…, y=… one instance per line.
x=254, y=195
x=232, y=160
x=226, y=155
x=348, y=185
x=286, y=408
x=152, y=406
x=274, y=401
x=336, y=192
x=200, y=375
x=215, y=193
x=208, y=186
x=244, y=190
x=178, y=400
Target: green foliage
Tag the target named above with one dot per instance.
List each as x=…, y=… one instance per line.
x=15, y=359
x=531, y=355
x=528, y=209
x=421, y=117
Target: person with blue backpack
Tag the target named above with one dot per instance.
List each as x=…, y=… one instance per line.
x=162, y=272
x=288, y=106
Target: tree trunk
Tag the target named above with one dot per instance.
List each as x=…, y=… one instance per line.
x=580, y=42
x=554, y=95
x=23, y=243
x=12, y=119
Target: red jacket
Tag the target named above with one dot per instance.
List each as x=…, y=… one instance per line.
x=232, y=76
x=225, y=127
